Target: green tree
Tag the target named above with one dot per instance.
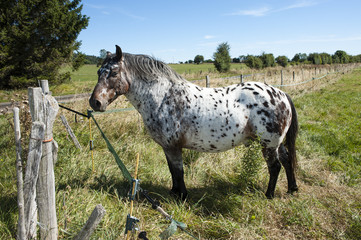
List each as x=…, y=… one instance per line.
x=253, y=62
x=299, y=57
x=36, y=38
x=314, y=58
x=198, y=59
x=282, y=61
x=268, y=60
x=222, y=59
x=341, y=57
x=326, y=58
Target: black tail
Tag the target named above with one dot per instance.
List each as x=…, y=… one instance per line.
x=291, y=137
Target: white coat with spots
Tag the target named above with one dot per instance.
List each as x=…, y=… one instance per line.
x=179, y=114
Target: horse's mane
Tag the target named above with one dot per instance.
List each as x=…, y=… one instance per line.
x=149, y=68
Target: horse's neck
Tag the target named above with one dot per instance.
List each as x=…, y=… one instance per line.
x=147, y=96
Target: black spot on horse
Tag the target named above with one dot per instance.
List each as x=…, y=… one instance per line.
x=264, y=112
x=227, y=90
x=259, y=87
x=213, y=147
x=266, y=104
x=248, y=88
x=256, y=93
x=249, y=106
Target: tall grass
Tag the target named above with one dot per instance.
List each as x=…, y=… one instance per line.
x=226, y=201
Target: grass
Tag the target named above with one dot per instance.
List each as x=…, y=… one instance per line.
x=328, y=205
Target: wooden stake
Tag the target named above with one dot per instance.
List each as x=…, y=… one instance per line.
x=92, y=223
x=133, y=189
x=19, y=176
x=70, y=132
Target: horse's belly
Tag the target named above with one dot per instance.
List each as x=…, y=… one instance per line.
x=219, y=139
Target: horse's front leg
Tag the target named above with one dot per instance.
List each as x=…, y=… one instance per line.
x=175, y=163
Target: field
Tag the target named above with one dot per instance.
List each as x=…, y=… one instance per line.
x=225, y=201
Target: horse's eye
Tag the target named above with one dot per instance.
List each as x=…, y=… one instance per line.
x=114, y=74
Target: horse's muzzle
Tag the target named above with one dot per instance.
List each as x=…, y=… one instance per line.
x=97, y=105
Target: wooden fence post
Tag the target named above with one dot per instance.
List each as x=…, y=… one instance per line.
x=44, y=108
x=207, y=81
x=19, y=176
x=31, y=177
x=281, y=78
x=241, y=78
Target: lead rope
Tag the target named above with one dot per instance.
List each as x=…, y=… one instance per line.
x=91, y=144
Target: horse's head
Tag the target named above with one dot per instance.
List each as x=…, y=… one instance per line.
x=111, y=81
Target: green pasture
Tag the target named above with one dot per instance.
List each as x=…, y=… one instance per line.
x=226, y=199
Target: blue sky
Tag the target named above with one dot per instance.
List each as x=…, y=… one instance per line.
x=175, y=31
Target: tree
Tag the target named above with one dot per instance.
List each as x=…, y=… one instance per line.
x=222, y=59
x=236, y=60
x=36, y=38
x=314, y=58
x=253, y=62
x=282, y=61
x=198, y=59
x=268, y=60
x=341, y=57
x=326, y=58
x=299, y=57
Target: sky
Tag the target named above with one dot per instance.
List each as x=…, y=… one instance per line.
x=174, y=31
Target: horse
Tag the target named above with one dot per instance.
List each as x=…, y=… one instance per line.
x=179, y=114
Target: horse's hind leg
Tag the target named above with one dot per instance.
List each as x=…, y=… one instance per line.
x=291, y=180
x=175, y=164
x=274, y=167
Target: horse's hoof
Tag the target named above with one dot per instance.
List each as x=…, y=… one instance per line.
x=270, y=195
x=178, y=195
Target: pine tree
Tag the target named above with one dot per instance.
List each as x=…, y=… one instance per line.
x=36, y=38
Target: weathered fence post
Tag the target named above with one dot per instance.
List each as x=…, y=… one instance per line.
x=70, y=131
x=19, y=176
x=281, y=78
x=241, y=78
x=207, y=81
x=31, y=177
x=92, y=223
x=44, y=108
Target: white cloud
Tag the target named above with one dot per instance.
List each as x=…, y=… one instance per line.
x=259, y=12
x=255, y=12
x=301, y=4
x=209, y=37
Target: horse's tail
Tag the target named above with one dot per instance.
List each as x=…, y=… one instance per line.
x=291, y=137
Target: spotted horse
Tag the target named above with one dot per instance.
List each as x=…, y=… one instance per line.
x=179, y=114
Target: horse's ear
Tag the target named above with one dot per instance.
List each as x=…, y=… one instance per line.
x=119, y=53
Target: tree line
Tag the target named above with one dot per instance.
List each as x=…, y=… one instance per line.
x=222, y=59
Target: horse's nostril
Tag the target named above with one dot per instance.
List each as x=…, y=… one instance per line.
x=98, y=104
